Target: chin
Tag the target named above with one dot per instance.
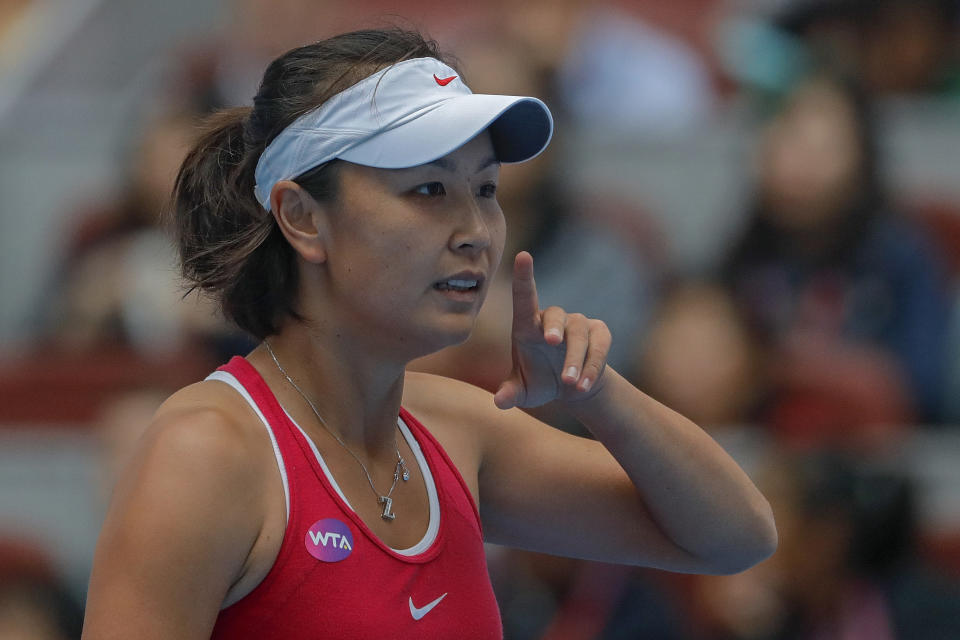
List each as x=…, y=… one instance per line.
x=447, y=336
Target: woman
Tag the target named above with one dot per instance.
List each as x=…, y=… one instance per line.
x=350, y=222
x=846, y=295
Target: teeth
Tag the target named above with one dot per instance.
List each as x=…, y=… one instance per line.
x=459, y=285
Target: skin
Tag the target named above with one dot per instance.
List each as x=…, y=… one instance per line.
x=198, y=517
x=811, y=162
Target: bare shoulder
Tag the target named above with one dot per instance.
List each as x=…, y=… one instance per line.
x=463, y=404
x=205, y=402
x=185, y=513
x=462, y=407
x=463, y=414
x=438, y=395
x=458, y=414
x=203, y=438
x=197, y=425
x=200, y=443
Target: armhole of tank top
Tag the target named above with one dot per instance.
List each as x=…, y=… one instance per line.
x=230, y=379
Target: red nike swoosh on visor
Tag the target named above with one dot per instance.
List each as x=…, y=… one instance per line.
x=443, y=81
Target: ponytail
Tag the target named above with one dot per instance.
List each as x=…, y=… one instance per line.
x=229, y=246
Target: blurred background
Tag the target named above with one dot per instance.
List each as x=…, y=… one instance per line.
x=760, y=197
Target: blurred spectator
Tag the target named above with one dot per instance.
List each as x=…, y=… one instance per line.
x=118, y=284
x=699, y=358
x=11, y=12
x=894, y=46
x=846, y=297
x=33, y=603
x=951, y=403
x=610, y=69
x=546, y=597
x=120, y=422
x=846, y=568
x=224, y=69
x=911, y=46
x=832, y=29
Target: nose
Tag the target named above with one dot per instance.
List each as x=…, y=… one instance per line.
x=472, y=233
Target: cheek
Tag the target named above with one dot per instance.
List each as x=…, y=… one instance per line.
x=371, y=228
x=379, y=261
x=498, y=237
x=499, y=242
x=365, y=260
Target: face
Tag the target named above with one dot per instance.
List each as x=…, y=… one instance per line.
x=411, y=252
x=698, y=357
x=811, y=159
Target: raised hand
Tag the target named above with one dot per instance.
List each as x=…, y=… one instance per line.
x=556, y=355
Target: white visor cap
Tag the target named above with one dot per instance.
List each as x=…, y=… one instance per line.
x=408, y=114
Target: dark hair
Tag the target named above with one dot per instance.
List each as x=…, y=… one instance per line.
x=230, y=246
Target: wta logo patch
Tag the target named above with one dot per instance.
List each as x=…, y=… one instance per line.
x=329, y=540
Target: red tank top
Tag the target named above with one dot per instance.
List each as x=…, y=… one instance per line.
x=333, y=578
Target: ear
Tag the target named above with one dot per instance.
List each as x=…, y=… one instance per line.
x=301, y=219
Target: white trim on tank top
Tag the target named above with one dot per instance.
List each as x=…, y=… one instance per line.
x=434, y=524
x=230, y=379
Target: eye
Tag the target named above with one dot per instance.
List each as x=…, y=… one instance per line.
x=489, y=190
x=431, y=189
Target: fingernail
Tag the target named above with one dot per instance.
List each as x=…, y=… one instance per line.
x=555, y=332
x=586, y=384
x=572, y=373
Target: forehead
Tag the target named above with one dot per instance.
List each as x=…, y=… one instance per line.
x=821, y=101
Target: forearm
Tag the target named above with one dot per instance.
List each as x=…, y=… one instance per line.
x=697, y=494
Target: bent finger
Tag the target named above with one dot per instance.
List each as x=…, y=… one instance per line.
x=554, y=321
x=597, y=352
x=577, y=337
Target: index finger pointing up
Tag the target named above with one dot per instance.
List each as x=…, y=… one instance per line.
x=526, y=307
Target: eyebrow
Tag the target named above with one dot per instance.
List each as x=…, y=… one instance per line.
x=448, y=165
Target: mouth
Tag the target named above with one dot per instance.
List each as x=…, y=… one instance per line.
x=457, y=285
x=461, y=286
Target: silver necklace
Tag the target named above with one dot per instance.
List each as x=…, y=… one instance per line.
x=401, y=470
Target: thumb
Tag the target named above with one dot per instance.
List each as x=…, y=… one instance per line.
x=508, y=395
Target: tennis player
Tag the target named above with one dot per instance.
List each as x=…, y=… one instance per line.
x=314, y=489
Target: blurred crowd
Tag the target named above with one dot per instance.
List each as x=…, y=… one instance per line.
x=828, y=332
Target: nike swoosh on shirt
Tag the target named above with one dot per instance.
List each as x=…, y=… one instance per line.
x=443, y=81
x=419, y=612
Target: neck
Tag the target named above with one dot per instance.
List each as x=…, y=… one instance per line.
x=356, y=393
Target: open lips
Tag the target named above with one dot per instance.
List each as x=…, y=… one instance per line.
x=460, y=282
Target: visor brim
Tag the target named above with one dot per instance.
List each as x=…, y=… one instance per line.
x=520, y=128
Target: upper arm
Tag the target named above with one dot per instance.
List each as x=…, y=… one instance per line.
x=542, y=489
x=178, y=531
